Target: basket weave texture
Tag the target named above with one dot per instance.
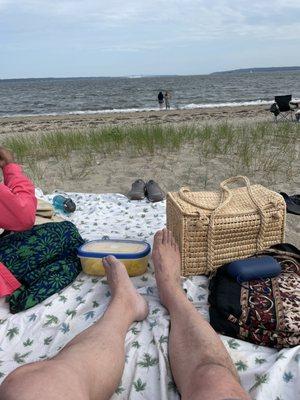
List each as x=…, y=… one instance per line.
x=214, y=228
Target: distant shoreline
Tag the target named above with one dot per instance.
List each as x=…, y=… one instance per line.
x=258, y=69
x=138, y=76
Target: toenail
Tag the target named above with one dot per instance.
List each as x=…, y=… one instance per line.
x=111, y=258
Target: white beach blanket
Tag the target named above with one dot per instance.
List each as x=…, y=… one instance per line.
x=40, y=332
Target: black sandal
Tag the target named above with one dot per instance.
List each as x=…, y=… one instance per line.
x=292, y=203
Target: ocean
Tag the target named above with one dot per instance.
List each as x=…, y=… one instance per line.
x=59, y=96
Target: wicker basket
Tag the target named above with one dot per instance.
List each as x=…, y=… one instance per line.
x=213, y=228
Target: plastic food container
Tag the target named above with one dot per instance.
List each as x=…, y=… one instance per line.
x=133, y=253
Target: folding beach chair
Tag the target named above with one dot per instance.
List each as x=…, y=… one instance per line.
x=281, y=108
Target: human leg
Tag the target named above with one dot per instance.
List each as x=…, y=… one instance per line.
x=91, y=365
x=200, y=364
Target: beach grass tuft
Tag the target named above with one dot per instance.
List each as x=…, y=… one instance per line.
x=247, y=148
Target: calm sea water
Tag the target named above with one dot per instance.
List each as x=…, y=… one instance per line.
x=92, y=95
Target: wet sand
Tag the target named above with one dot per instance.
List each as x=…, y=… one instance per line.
x=31, y=124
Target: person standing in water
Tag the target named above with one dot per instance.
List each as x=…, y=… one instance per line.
x=160, y=99
x=167, y=98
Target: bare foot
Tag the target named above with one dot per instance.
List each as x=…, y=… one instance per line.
x=166, y=260
x=122, y=288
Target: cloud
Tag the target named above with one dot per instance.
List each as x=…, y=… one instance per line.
x=4, y=4
x=82, y=37
x=156, y=23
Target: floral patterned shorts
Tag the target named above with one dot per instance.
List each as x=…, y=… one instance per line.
x=43, y=259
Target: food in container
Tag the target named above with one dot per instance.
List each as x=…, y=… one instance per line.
x=132, y=253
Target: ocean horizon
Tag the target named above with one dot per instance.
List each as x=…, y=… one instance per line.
x=93, y=95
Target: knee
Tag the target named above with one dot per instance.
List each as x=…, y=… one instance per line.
x=29, y=381
x=14, y=385
x=23, y=381
x=212, y=378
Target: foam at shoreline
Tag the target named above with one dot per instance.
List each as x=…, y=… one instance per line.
x=147, y=109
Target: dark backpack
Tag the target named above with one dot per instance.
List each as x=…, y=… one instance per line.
x=274, y=109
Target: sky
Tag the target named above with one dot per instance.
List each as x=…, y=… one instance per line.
x=67, y=38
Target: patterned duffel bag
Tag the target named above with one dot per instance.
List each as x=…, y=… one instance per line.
x=265, y=311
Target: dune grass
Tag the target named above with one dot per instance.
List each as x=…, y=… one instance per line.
x=136, y=139
x=248, y=147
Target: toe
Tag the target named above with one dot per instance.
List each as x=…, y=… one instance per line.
x=111, y=260
x=170, y=237
x=158, y=237
x=106, y=266
x=173, y=241
x=110, y=263
x=115, y=264
x=165, y=236
x=105, y=262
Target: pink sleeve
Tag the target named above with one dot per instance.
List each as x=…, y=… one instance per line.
x=17, y=200
x=8, y=283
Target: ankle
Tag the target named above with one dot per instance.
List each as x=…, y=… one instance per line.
x=171, y=295
x=123, y=307
x=124, y=301
x=130, y=304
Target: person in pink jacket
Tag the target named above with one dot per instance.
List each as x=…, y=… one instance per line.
x=35, y=261
x=17, y=196
x=17, y=209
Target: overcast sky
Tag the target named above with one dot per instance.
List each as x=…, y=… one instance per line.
x=56, y=38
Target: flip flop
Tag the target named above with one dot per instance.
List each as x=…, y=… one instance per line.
x=154, y=192
x=292, y=203
x=137, y=191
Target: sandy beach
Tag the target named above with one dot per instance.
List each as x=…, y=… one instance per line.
x=32, y=124
x=104, y=173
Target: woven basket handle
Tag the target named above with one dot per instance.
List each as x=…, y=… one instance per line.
x=235, y=179
x=225, y=200
x=225, y=190
x=182, y=194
